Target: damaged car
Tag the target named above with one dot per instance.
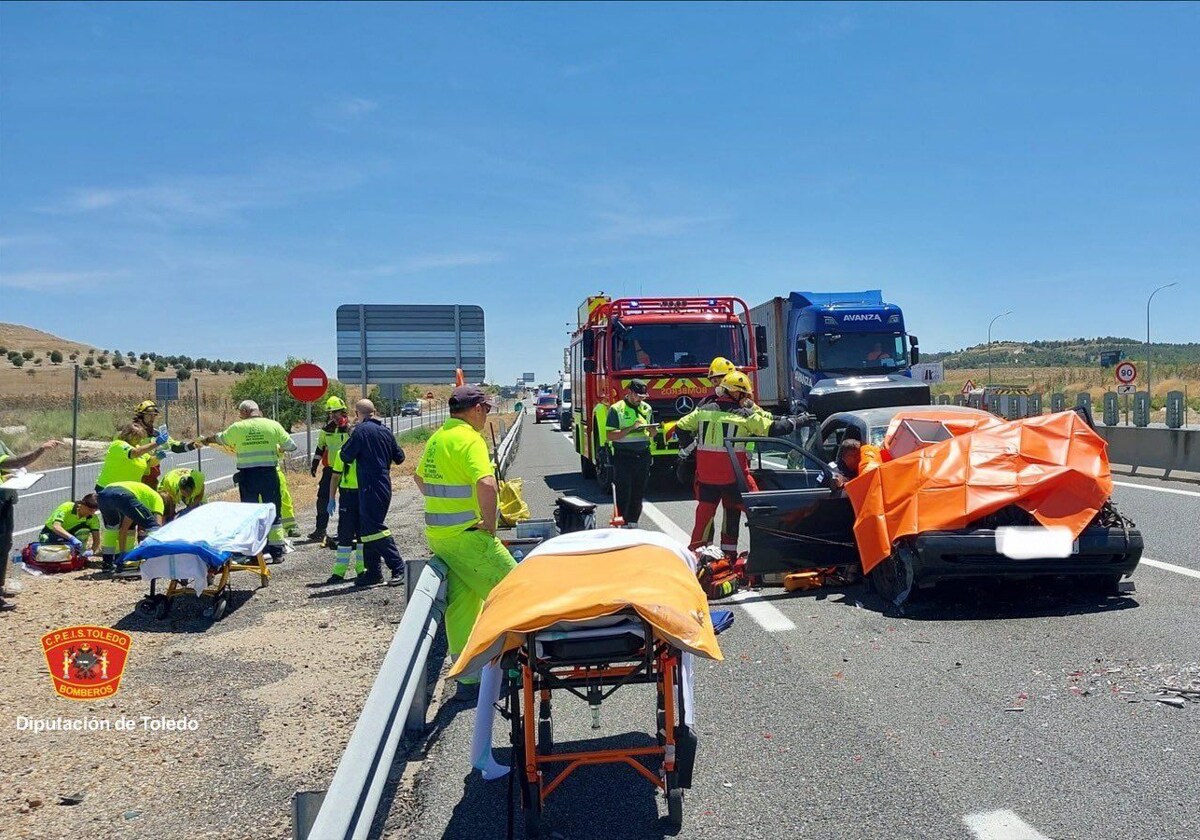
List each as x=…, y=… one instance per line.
x=944, y=492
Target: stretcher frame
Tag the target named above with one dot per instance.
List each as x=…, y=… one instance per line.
x=159, y=603
x=532, y=679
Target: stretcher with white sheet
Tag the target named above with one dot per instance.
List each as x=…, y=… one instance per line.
x=197, y=552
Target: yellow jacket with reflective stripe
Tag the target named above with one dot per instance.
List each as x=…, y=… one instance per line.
x=257, y=441
x=626, y=416
x=121, y=465
x=455, y=458
x=349, y=479
x=712, y=424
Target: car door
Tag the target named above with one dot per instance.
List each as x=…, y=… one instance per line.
x=798, y=520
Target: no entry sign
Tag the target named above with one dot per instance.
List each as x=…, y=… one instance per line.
x=307, y=382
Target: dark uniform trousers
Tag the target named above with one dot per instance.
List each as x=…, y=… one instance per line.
x=631, y=472
x=323, y=499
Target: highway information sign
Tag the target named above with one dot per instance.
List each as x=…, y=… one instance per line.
x=385, y=344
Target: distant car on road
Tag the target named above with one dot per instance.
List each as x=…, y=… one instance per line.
x=799, y=520
x=410, y=409
x=564, y=410
x=546, y=408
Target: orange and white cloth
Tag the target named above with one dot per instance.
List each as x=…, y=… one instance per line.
x=1053, y=466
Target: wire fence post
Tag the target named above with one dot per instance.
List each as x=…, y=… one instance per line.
x=199, y=459
x=74, y=432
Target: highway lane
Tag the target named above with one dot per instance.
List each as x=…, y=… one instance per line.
x=35, y=505
x=1001, y=711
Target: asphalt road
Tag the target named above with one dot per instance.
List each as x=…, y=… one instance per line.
x=1002, y=712
x=35, y=505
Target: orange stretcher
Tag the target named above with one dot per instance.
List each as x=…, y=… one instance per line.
x=588, y=624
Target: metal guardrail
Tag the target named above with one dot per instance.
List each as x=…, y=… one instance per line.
x=507, y=449
x=397, y=704
x=348, y=808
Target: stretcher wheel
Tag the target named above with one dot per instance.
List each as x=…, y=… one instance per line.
x=147, y=605
x=532, y=796
x=675, y=807
x=162, y=607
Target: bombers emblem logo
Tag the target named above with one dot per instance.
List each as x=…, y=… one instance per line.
x=685, y=404
x=86, y=662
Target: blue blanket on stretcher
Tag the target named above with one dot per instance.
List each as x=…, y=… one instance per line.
x=214, y=532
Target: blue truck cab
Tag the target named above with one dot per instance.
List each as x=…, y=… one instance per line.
x=837, y=351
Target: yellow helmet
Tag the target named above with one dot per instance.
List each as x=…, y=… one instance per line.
x=737, y=382
x=720, y=367
x=146, y=406
x=335, y=404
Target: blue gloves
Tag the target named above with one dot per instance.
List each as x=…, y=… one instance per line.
x=75, y=543
x=331, y=507
x=162, y=437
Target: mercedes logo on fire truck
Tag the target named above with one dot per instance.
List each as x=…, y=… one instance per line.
x=685, y=405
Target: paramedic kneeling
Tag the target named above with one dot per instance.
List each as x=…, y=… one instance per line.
x=72, y=523
x=457, y=480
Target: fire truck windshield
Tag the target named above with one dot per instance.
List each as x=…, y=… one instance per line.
x=671, y=346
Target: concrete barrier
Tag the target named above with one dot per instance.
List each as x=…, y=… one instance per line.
x=1158, y=448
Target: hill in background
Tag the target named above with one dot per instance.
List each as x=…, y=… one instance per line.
x=1075, y=352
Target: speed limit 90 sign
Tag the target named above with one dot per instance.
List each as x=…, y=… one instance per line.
x=1126, y=373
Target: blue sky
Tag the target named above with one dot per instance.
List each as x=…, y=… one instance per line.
x=217, y=179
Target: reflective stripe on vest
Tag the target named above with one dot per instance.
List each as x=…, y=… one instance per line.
x=465, y=517
x=627, y=416
x=448, y=491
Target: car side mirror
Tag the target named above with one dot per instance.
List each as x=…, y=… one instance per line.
x=589, y=344
x=915, y=352
x=589, y=365
x=760, y=343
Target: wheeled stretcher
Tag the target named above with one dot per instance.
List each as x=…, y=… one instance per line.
x=587, y=614
x=197, y=554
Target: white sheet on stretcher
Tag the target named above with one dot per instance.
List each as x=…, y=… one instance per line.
x=230, y=527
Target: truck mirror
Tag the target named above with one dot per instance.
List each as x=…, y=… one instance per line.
x=760, y=342
x=589, y=345
x=589, y=365
x=913, y=342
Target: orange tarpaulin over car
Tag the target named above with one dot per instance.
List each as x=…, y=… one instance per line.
x=546, y=588
x=1053, y=466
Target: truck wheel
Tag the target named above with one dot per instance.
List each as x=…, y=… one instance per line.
x=604, y=471
x=892, y=579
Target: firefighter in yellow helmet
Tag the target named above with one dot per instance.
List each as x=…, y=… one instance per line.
x=145, y=416
x=333, y=434
x=731, y=413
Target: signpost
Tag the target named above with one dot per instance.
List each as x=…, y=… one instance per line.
x=1126, y=375
x=166, y=390
x=307, y=383
x=931, y=372
x=389, y=343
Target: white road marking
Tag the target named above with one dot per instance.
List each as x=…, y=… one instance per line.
x=765, y=615
x=1170, y=567
x=1157, y=489
x=1001, y=825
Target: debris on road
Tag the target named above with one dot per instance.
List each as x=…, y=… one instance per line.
x=1167, y=700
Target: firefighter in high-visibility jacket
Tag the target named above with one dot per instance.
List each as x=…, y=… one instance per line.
x=343, y=491
x=146, y=416
x=458, y=481
x=731, y=414
x=257, y=442
x=329, y=442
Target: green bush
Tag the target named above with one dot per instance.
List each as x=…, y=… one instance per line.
x=56, y=357
x=27, y=355
x=17, y=361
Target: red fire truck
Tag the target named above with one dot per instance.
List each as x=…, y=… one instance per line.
x=667, y=342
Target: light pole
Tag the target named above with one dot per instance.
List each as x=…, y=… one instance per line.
x=1152, y=294
x=994, y=320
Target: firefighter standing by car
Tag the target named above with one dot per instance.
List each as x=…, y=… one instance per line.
x=329, y=442
x=630, y=428
x=458, y=481
x=257, y=442
x=731, y=414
